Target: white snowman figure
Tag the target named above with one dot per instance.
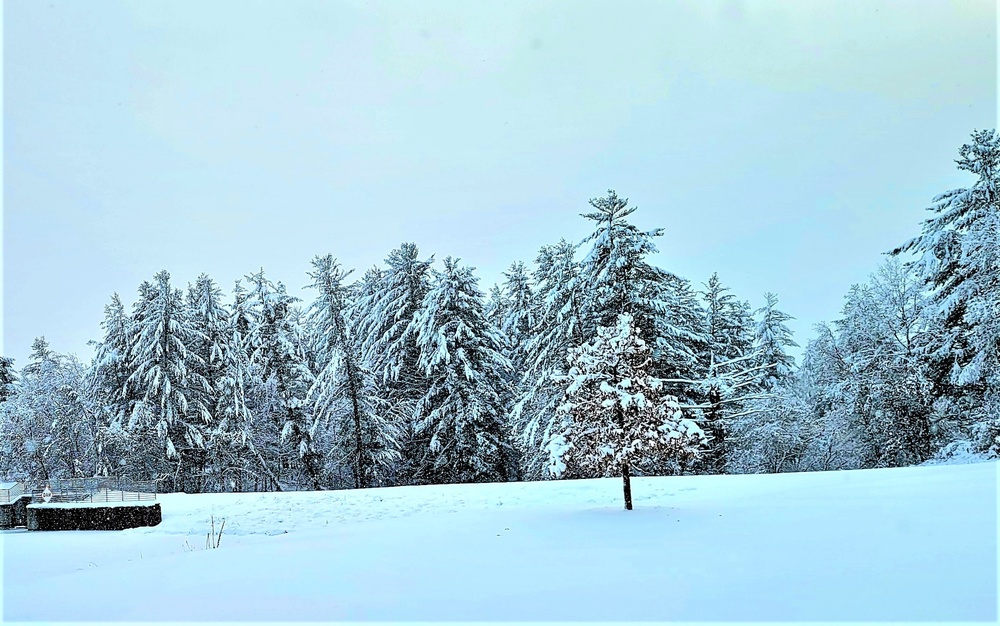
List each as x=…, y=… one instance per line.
x=46, y=493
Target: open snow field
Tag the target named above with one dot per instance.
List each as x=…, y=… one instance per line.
x=901, y=545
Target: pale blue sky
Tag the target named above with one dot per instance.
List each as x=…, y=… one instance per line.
x=783, y=144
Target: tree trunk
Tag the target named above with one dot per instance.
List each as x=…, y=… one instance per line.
x=627, y=486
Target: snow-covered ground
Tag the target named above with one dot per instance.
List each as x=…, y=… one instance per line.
x=904, y=545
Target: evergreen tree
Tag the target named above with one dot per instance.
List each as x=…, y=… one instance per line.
x=616, y=276
x=613, y=278
x=518, y=321
x=619, y=419
x=283, y=382
x=771, y=338
x=41, y=355
x=209, y=319
x=8, y=378
x=728, y=324
x=681, y=339
x=460, y=420
x=521, y=316
x=160, y=362
x=344, y=392
x=109, y=371
x=958, y=256
x=241, y=435
x=732, y=371
x=107, y=385
x=559, y=328
x=383, y=315
x=497, y=306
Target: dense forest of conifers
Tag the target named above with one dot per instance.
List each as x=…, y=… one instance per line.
x=586, y=359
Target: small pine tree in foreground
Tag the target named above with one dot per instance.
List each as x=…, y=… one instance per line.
x=618, y=416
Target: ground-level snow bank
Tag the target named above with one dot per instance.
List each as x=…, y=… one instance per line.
x=913, y=544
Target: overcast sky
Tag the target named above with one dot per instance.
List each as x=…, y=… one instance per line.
x=785, y=145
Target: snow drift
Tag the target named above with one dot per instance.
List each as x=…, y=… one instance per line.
x=875, y=545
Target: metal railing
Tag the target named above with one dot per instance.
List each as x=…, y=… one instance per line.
x=11, y=494
x=100, y=489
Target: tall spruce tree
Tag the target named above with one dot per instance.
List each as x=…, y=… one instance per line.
x=383, y=314
x=345, y=392
x=107, y=384
x=461, y=420
x=615, y=274
x=161, y=368
x=283, y=383
x=559, y=328
x=958, y=256
x=237, y=442
x=731, y=369
x=771, y=338
x=209, y=318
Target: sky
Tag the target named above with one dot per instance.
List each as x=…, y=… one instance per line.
x=784, y=145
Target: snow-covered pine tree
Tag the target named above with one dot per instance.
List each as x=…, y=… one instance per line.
x=209, y=318
x=771, y=338
x=383, y=315
x=238, y=432
x=681, y=339
x=8, y=378
x=521, y=317
x=615, y=275
x=344, y=393
x=958, y=256
x=732, y=369
x=619, y=418
x=496, y=306
x=518, y=321
x=160, y=362
x=559, y=328
x=41, y=355
x=767, y=435
x=284, y=381
x=461, y=420
x=497, y=309
x=107, y=386
x=109, y=370
x=728, y=323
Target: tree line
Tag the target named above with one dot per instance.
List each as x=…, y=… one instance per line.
x=593, y=361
